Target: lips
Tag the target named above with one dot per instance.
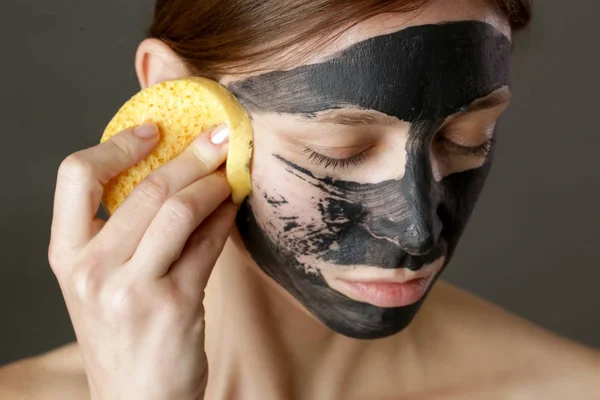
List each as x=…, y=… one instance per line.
x=387, y=288
x=388, y=294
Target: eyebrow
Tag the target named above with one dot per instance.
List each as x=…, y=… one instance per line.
x=353, y=117
x=361, y=117
x=495, y=99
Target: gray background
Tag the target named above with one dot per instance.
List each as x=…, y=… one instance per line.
x=531, y=245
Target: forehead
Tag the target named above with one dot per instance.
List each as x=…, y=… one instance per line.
x=435, y=12
x=422, y=72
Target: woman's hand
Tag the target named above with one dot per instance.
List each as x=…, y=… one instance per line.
x=134, y=285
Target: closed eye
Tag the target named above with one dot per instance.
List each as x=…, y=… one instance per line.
x=481, y=150
x=335, y=163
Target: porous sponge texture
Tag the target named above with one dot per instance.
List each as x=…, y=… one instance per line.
x=182, y=109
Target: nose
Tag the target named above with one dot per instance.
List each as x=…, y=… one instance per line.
x=419, y=233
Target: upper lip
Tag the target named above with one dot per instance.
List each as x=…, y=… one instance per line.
x=385, y=280
x=401, y=275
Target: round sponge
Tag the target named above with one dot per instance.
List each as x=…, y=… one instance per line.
x=182, y=109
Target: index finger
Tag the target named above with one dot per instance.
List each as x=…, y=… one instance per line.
x=80, y=180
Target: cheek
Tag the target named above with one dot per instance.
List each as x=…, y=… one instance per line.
x=285, y=207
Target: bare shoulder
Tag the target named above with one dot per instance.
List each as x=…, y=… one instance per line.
x=510, y=348
x=56, y=374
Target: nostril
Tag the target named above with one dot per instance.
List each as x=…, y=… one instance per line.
x=418, y=241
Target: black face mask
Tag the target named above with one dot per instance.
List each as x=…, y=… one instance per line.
x=421, y=75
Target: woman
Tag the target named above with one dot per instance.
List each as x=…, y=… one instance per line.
x=373, y=127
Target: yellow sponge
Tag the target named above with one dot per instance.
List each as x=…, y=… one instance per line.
x=182, y=109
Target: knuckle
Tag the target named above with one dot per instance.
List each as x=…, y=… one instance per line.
x=202, y=164
x=198, y=326
x=121, y=145
x=169, y=300
x=86, y=281
x=55, y=258
x=77, y=167
x=182, y=208
x=155, y=188
x=121, y=302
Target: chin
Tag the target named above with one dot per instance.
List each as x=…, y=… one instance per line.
x=358, y=319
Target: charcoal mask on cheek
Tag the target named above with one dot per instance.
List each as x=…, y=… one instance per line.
x=421, y=75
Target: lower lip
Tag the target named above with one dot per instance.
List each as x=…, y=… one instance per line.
x=390, y=294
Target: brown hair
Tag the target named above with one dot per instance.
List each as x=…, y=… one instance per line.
x=218, y=37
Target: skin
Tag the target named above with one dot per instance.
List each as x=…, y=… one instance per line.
x=263, y=341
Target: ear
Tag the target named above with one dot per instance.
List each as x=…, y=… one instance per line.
x=155, y=62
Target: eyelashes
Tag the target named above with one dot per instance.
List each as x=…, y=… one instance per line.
x=357, y=159
x=476, y=151
x=335, y=163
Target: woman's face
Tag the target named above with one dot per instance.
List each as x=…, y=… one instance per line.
x=369, y=159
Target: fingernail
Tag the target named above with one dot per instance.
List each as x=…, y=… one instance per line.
x=220, y=134
x=146, y=131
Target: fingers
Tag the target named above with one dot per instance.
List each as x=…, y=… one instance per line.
x=167, y=234
x=80, y=181
x=203, y=248
x=125, y=229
